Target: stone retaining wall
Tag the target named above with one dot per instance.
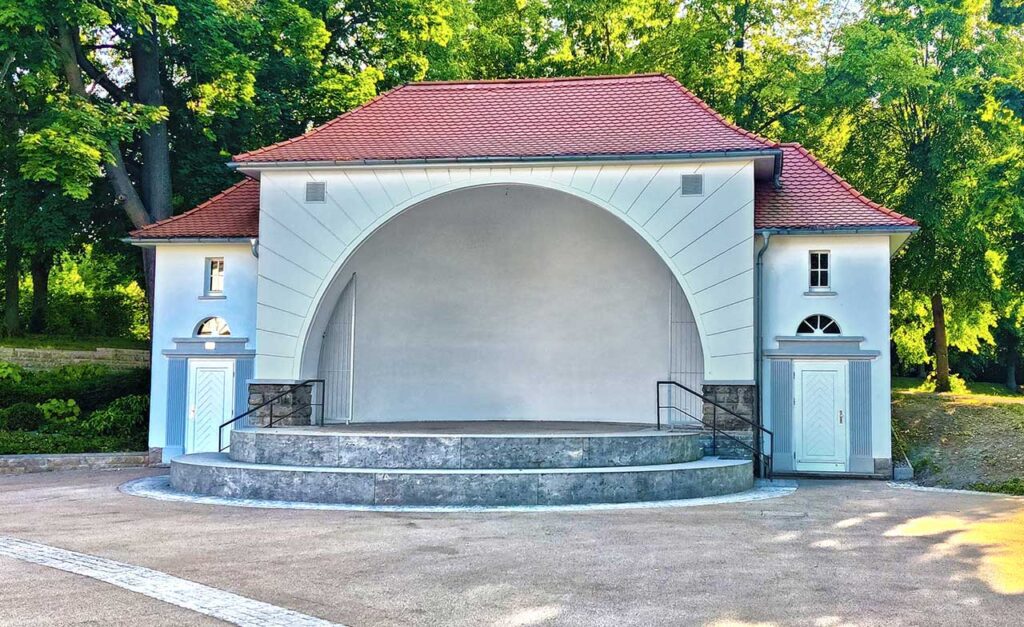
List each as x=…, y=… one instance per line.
x=44, y=358
x=21, y=464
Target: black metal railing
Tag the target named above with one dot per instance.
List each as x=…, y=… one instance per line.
x=273, y=419
x=762, y=459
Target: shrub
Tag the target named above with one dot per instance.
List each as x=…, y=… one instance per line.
x=91, y=386
x=10, y=372
x=22, y=417
x=57, y=410
x=25, y=443
x=126, y=417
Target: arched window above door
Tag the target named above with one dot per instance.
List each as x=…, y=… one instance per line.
x=213, y=326
x=818, y=324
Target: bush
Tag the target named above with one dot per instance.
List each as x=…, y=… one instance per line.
x=91, y=386
x=57, y=410
x=126, y=417
x=22, y=417
x=10, y=372
x=26, y=443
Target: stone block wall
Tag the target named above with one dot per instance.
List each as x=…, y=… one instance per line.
x=44, y=358
x=21, y=464
x=739, y=399
x=295, y=405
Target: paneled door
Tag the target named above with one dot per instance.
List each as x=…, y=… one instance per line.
x=211, y=384
x=820, y=415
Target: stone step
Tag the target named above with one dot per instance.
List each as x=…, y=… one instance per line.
x=325, y=448
x=215, y=474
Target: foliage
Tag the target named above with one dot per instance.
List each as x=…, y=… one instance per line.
x=90, y=386
x=10, y=372
x=124, y=417
x=26, y=443
x=91, y=294
x=1011, y=486
x=58, y=410
x=22, y=417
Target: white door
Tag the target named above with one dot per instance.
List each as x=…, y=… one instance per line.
x=820, y=421
x=211, y=394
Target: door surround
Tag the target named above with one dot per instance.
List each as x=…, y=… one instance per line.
x=805, y=460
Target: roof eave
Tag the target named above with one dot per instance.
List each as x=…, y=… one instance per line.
x=153, y=241
x=775, y=153
x=845, y=230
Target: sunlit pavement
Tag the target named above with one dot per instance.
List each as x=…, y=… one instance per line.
x=832, y=553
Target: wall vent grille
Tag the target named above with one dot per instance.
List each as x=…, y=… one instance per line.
x=316, y=192
x=692, y=184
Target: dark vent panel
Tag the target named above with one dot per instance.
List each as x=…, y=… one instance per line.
x=693, y=184
x=316, y=192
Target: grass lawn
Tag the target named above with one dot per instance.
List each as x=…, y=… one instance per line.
x=72, y=343
x=971, y=440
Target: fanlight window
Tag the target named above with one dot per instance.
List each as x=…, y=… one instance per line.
x=818, y=325
x=213, y=326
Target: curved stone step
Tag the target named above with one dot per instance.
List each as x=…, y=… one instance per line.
x=324, y=448
x=215, y=474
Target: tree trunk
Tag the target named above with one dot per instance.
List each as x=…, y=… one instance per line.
x=1012, y=358
x=12, y=287
x=941, y=344
x=40, y=267
x=156, y=153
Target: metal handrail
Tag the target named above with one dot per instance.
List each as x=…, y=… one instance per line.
x=764, y=460
x=275, y=419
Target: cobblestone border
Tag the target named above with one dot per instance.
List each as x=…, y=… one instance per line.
x=904, y=485
x=23, y=464
x=159, y=488
x=226, y=606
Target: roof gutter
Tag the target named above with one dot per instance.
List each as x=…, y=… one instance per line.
x=775, y=153
x=873, y=230
x=152, y=241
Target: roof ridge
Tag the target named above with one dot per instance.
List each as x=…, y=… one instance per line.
x=856, y=193
x=198, y=207
x=537, y=79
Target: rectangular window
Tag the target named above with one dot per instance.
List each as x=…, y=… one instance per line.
x=214, y=276
x=820, y=267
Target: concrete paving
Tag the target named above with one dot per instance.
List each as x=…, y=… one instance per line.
x=832, y=553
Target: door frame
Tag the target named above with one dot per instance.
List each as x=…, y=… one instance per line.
x=843, y=367
x=190, y=421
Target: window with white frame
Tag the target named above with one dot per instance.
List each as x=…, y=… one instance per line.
x=818, y=325
x=214, y=276
x=821, y=269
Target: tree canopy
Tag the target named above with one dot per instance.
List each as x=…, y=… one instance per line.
x=122, y=112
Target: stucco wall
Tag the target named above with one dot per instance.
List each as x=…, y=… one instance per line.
x=860, y=280
x=508, y=302
x=179, y=305
x=707, y=240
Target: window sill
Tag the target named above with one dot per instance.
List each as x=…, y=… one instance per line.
x=212, y=297
x=819, y=293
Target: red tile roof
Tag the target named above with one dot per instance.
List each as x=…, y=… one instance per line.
x=813, y=196
x=235, y=212
x=543, y=117
x=606, y=115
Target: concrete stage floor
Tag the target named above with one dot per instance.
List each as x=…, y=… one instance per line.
x=476, y=427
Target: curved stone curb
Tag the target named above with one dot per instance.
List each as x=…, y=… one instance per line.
x=159, y=488
x=903, y=485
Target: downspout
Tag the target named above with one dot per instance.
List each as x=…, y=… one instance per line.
x=758, y=310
